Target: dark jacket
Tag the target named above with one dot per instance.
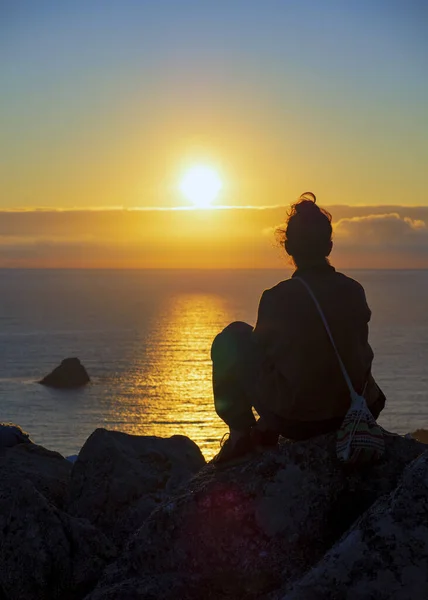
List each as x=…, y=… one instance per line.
x=300, y=376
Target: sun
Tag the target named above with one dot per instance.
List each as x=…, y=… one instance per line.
x=201, y=185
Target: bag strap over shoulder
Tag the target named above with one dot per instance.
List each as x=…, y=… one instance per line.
x=327, y=328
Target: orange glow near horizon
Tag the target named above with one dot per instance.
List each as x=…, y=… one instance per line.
x=364, y=237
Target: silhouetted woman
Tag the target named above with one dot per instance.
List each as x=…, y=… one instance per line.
x=286, y=367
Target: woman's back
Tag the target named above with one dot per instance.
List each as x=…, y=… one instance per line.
x=301, y=378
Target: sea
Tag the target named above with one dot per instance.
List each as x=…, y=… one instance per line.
x=145, y=336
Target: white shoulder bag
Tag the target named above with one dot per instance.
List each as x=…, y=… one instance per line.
x=359, y=438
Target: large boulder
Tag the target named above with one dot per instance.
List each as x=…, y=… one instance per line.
x=421, y=435
x=68, y=375
x=48, y=471
x=384, y=555
x=119, y=479
x=44, y=553
x=11, y=435
x=249, y=530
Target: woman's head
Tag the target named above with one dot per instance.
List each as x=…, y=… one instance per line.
x=307, y=234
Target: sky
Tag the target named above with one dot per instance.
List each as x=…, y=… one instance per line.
x=107, y=104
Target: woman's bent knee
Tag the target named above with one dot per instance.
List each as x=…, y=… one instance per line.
x=231, y=340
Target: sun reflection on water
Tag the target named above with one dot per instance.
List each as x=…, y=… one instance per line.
x=173, y=381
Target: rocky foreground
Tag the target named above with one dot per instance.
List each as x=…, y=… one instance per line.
x=146, y=518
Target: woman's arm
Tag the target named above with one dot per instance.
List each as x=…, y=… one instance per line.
x=265, y=325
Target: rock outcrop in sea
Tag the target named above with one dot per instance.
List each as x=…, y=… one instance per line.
x=146, y=518
x=68, y=375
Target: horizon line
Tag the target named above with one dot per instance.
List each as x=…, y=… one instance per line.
x=113, y=208
x=285, y=268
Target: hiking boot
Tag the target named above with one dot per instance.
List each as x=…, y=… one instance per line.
x=232, y=453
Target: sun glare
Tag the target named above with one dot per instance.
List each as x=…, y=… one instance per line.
x=201, y=185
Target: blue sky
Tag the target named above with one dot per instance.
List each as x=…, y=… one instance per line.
x=102, y=101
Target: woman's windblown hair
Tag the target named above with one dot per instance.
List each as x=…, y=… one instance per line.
x=308, y=231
